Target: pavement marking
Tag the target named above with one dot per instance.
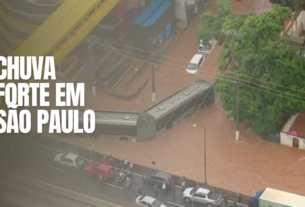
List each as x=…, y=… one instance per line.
x=177, y=186
x=50, y=166
x=25, y=147
x=115, y=186
x=40, y=145
x=175, y=204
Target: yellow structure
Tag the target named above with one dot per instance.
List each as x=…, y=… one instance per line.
x=64, y=29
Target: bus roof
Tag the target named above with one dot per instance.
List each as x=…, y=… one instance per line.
x=284, y=198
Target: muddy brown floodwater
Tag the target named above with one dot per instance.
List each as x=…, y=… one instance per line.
x=246, y=166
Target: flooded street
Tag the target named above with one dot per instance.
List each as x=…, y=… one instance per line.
x=245, y=166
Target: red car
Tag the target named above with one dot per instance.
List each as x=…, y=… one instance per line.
x=96, y=169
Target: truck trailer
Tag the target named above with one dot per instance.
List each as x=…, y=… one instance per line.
x=276, y=198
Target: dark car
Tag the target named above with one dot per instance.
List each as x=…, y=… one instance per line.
x=158, y=178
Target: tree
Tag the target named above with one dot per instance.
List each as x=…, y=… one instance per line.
x=270, y=73
x=211, y=24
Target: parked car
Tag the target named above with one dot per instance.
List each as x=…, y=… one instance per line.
x=147, y=201
x=158, y=178
x=96, y=169
x=195, y=64
x=69, y=160
x=201, y=195
x=207, y=48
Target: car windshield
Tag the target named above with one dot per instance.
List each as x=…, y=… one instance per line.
x=156, y=203
x=63, y=156
x=111, y=170
x=192, y=66
x=204, y=48
x=94, y=165
x=78, y=160
x=194, y=190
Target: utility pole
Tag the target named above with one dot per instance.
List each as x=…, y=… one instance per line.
x=153, y=69
x=153, y=82
x=233, y=64
x=237, y=109
x=205, y=157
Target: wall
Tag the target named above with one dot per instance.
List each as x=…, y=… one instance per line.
x=298, y=25
x=287, y=139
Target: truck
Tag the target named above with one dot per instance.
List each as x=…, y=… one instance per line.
x=276, y=198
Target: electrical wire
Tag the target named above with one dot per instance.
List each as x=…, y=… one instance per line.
x=178, y=60
x=243, y=81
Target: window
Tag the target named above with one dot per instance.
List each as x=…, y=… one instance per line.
x=99, y=171
x=156, y=203
x=110, y=171
x=63, y=156
x=199, y=195
x=67, y=160
x=200, y=61
x=78, y=160
x=192, y=66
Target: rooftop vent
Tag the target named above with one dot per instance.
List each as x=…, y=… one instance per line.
x=126, y=117
x=161, y=107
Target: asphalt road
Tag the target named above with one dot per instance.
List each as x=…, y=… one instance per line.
x=36, y=161
x=22, y=195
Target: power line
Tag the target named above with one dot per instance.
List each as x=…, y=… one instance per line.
x=180, y=60
x=243, y=82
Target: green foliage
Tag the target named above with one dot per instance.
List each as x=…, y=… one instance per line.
x=270, y=73
x=211, y=24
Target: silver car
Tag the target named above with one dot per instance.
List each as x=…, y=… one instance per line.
x=147, y=201
x=201, y=195
x=69, y=160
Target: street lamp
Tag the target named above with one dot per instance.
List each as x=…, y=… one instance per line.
x=205, y=153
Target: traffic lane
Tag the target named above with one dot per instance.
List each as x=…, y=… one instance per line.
x=39, y=154
x=26, y=195
x=37, y=161
x=39, y=158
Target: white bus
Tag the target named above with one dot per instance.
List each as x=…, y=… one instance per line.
x=276, y=198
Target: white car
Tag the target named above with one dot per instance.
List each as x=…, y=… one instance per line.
x=201, y=195
x=195, y=64
x=147, y=201
x=68, y=160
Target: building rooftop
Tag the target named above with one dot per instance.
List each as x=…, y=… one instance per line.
x=299, y=125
